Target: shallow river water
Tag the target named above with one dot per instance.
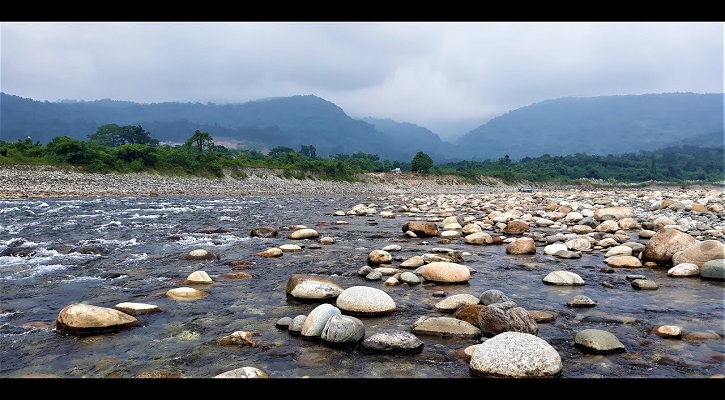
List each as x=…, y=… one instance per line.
x=105, y=251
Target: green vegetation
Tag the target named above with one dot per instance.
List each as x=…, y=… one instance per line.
x=129, y=149
x=421, y=162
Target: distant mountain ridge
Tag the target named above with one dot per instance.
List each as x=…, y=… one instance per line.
x=597, y=125
x=594, y=125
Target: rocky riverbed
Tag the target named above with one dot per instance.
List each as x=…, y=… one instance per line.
x=613, y=281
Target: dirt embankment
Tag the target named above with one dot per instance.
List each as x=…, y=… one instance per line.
x=413, y=179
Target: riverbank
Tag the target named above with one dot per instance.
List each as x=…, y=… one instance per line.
x=38, y=181
x=46, y=181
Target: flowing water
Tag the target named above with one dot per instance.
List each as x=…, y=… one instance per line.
x=105, y=251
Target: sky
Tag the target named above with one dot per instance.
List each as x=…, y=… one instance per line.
x=449, y=77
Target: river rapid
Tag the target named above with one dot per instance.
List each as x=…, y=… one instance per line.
x=108, y=250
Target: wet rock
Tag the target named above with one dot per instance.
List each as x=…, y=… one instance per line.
x=445, y=272
x=492, y=296
x=312, y=287
x=185, y=293
x=597, y=341
x=81, y=318
x=317, y=319
x=377, y=257
x=494, y=320
x=713, y=269
x=343, y=329
x=515, y=355
x=581, y=300
x=271, y=252
x=304, y=233
x=523, y=245
x=137, y=308
x=664, y=244
x=684, y=270
x=644, y=284
x=421, y=228
x=700, y=253
x=563, y=278
x=197, y=277
x=240, y=338
x=452, y=303
x=365, y=300
x=445, y=327
x=515, y=227
x=668, y=331
x=264, y=232
x=392, y=342
x=200, y=255
x=243, y=372
x=409, y=278
x=468, y=313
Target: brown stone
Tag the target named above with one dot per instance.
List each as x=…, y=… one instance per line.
x=421, y=228
x=468, y=313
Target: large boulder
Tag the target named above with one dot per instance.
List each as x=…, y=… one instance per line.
x=493, y=320
x=713, y=269
x=317, y=319
x=377, y=257
x=81, y=318
x=343, y=329
x=616, y=212
x=700, y=253
x=304, y=233
x=521, y=245
x=365, y=300
x=445, y=272
x=516, y=227
x=311, y=287
x=664, y=244
x=515, y=355
x=421, y=228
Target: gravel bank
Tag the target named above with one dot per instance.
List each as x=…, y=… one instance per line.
x=45, y=181
x=34, y=181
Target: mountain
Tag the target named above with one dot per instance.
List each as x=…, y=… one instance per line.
x=411, y=138
x=287, y=121
x=596, y=126
x=593, y=125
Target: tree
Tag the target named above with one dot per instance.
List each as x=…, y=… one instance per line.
x=112, y=135
x=504, y=161
x=135, y=134
x=421, y=162
x=108, y=135
x=308, y=151
x=70, y=150
x=137, y=152
x=279, y=150
x=200, y=141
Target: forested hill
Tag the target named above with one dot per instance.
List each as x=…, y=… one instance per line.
x=287, y=121
x=599, y=126
x=596, y=125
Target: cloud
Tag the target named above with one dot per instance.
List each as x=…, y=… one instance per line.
x=428, y=73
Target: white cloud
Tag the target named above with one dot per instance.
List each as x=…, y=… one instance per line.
x=428, y=73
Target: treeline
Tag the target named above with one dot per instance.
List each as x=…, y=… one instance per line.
x=126, y=149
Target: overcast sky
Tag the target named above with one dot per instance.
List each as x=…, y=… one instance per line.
x=449, y=77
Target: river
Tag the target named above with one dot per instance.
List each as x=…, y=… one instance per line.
x=108, y=250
